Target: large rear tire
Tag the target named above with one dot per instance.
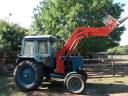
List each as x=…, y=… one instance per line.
x=28, y=75
x=75, y=83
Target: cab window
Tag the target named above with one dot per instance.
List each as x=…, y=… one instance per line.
x=43, y=47
x=28, y=47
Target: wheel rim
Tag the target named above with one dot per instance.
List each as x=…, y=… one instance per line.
x=75, y=84
x=27, y=76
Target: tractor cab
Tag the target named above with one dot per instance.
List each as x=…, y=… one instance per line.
x=37, y=47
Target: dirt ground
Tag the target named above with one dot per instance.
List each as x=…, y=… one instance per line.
x=98, y=84
x=105, y=86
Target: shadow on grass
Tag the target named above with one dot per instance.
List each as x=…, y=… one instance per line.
x=54, y=88
x=92, y=89
x=106, y=88
x=57, y=88
x=6, y=84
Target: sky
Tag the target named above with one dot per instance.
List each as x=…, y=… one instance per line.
x=124, y=37
x=22, y=12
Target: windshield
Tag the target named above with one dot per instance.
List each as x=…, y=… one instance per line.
x=28, y=47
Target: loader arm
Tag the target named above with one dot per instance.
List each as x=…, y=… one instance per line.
x=78, y=34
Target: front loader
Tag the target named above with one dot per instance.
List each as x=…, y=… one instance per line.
x=38, y=62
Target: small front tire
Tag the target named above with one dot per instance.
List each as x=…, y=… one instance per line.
x=75, y=83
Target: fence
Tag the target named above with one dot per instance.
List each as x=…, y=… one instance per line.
x=114, y=64
x=7, y=61
x=118, y=57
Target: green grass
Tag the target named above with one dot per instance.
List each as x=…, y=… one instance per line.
x=8, y=88
x=109, y=85
x=95, y=87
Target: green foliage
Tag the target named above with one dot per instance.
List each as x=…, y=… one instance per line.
x=126, y=49
x=116, y=51
x=11, y=36
x=120, y=50
x=61, y=17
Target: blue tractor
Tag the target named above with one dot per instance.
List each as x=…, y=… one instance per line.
x=37, y=61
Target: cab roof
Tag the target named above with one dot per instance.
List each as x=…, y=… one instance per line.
x=40, y=37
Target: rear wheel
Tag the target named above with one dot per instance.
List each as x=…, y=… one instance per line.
x=75, y=83
x=28, y=75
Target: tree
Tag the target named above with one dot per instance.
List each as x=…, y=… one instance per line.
x=11, y=36
x=61, y=17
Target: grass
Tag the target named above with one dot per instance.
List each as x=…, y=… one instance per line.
x=8, y=88
x=109, y=85
x=95, y=87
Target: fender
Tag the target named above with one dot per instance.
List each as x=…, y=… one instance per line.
x=21, y=58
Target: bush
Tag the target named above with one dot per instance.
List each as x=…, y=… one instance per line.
x=117, y=51
x=11, y=36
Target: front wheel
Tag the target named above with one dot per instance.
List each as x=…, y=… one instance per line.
x=75, y=83
x=28, y=75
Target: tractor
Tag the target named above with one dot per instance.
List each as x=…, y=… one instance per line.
x=37, y=60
